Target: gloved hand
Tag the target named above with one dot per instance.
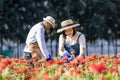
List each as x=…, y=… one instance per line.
x=49, y=58
x=66, y=54
x=28, y=56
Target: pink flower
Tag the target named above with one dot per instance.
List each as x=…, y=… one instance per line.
x=1, y=56
x=113, y=69
x=81, y=59
x=97, y=67
x=2, y=65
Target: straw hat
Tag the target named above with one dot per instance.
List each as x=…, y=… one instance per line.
x=67, y=24
x=50, y=19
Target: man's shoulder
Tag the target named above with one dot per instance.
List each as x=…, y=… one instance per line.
x=38, y=26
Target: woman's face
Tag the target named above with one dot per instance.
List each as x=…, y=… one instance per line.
x=69, y=32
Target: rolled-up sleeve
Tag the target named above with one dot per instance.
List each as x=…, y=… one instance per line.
x=41, y=42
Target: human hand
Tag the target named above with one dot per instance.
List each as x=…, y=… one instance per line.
x=49, y=58
x=72, y=52
x=27, y=55
x=66, y=54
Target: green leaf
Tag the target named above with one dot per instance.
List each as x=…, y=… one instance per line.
x=1, y=78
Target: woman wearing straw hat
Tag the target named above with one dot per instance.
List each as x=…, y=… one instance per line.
x=71, y=42
x=35, y=42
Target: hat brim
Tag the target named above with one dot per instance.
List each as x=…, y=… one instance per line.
x=49, y=22
x=68, y=27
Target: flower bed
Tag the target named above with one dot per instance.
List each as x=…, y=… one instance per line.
x=93, y=67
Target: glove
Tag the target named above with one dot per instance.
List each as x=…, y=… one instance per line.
x=28, y=56
x=49, y=58
x=66, y=54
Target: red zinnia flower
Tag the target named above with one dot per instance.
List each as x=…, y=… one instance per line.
x=96, y=68
x=61, y=61
x=113, y=69
x=2, y=65
x=80, y=59
x=1, y=56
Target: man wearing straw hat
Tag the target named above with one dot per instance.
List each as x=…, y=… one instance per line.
x=35, y=42
x=71, y=42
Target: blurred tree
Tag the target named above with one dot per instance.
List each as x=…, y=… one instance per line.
x=98, y=18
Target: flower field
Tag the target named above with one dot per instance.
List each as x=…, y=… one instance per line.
x=92, y=67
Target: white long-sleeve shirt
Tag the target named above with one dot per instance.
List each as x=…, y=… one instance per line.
x=37, y=33
x=72, y=40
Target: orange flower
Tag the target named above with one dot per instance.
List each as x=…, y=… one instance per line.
x=27, y=77
x=61, y=70
x=45, y=73
x=18, y=70
x=24, y=70
x=74, y=71
x=95, y=55
x=104, y=77
x=65, y=58
x=41, y=60
x=35, y=70
x=45, y=76
x=113, y=69
x=80, y=59
x=118, y=55
x=2, y=65
x=27, y=61
x=77, y=71
x=116, y=61
x=1, y=56
x=8, y=60
x=73, y=63
x=61, y=61
x=48, y=63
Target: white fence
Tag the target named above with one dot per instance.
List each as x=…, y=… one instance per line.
x=99, y=46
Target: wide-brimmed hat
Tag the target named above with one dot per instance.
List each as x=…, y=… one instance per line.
x=67, y=24
x=50, y=19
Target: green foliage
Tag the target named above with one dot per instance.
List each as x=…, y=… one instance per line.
x=98, y=18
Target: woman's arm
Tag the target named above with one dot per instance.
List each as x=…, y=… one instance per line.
x=61, y=45
x=82, y=50
x=82, y=43
x=61, y=50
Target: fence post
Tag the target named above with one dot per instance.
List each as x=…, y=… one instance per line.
x=101, y=47
x=86, y=48
x=1, y=43
x=115, y=47
x=17, y=48
x=108, y=47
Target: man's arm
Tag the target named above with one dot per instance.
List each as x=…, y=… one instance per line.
x=41, y=42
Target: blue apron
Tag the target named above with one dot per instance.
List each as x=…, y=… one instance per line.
x=69, y=47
